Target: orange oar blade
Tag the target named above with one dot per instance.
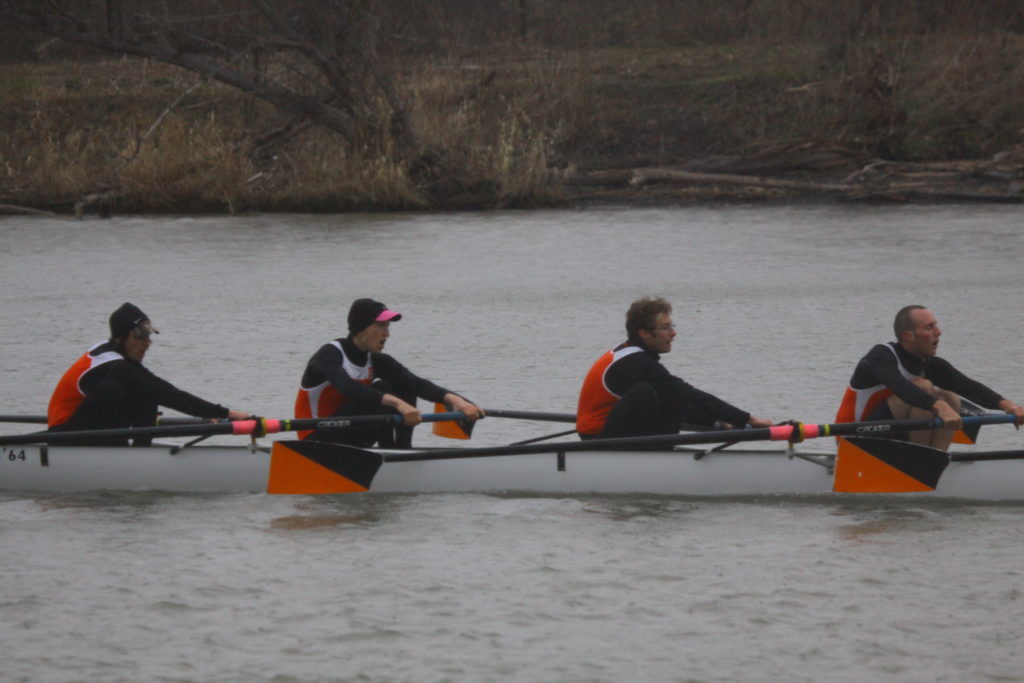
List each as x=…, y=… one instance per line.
x=451, y=429
x=967, y=435
x=866, y=465
x=314, y=467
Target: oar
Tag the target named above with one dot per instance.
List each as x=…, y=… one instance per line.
x=347, y=469
x=253, y=428
x=531, y=415
x=979, y=456
x=451, y=430
x=544, y=438
x=41, y=419
x=464, y=430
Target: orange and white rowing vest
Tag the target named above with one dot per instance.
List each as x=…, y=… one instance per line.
x=323, y=400
x=859, y=403
x=69, y=395
x=596, y=399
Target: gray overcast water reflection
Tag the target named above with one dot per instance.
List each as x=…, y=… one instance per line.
x=773, y=307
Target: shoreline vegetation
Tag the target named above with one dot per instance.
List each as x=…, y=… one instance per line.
x=534, y=104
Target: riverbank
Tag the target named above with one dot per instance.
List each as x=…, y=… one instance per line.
x=918, y=119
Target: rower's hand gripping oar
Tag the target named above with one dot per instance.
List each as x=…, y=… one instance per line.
x=299, y=467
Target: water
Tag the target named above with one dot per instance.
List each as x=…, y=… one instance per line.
x=773, y=305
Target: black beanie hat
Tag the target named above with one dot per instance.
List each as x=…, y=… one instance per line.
x=127, y=318
x=365, y=312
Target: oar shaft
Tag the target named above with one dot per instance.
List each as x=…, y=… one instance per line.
x=986, y=455
x=562, y=417
x=160, y=421
x=886, y=427
x=786, y=432
x=238, y=427
x=624, y=443
x=127, y=433
x=531, y=415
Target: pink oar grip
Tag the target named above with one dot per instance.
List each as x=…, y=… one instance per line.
x=243, y=426
x=249, y=426
x=780, y=432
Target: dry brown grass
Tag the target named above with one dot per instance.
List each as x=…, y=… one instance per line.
x=511, y=122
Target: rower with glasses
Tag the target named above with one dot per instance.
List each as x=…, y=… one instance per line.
x=628, y=392
x=110, y=388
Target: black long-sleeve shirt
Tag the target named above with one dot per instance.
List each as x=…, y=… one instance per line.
x=140, y=384
x=326, y=365
x=879, y=366
x=697, y=406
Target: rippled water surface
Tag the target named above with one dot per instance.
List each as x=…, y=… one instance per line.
x=773, y=306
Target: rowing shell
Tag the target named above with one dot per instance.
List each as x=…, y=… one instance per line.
x=677, y=472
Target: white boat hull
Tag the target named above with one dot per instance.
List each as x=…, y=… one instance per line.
x=241, y=469
x=85, y=468
x=669, y=473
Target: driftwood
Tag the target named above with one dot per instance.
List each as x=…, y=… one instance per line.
x=1000, y=179
x=645, y=176
x=776, y=161
x=101, y=202
x=612, y=178
x=24, y=210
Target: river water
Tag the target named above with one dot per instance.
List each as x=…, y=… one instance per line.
x=773, y=305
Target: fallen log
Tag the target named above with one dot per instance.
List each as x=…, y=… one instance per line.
x=646, y=176
x=609, y=178
x=25, y=210
x=894, y=184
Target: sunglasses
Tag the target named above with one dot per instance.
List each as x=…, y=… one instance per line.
x=142, y=331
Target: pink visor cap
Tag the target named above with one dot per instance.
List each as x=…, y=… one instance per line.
x=365, y=312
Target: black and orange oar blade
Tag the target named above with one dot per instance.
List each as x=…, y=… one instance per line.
x=451, y=429
x=967, y=435
x=315, y=467
x=866, y=465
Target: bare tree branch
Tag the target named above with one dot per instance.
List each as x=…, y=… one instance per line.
x=163, y=115
x=310, y=59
